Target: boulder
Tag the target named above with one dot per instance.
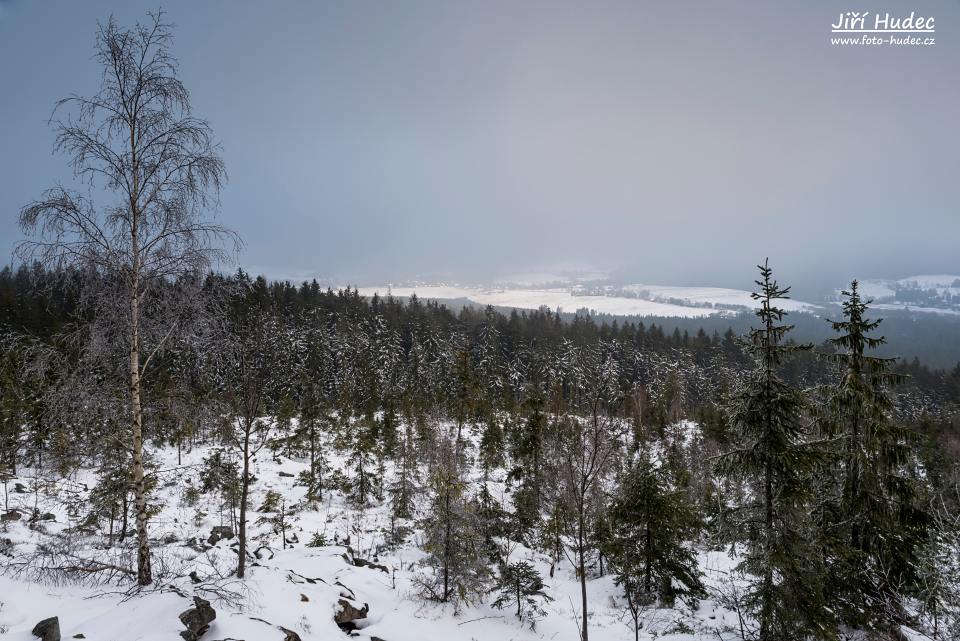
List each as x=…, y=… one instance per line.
x=19, y=488
x=289, y=635
x=47, y=630
x=286, y=474
x=197, y=619
x=348, y=614
x=220, y=532
x=363, y=563
x=12, y=515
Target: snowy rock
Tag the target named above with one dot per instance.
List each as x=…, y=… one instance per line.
x=220, y=532
x=19, y=488
x=290, y=635
x=196, y=620
x=363, y=563
x=12, y=515
x=349, y=614
x=286, y=474
x=47, y=630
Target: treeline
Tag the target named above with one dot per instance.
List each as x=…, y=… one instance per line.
x=40, y=303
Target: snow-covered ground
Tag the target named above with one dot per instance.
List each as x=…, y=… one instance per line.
x=717, y=296
x=297, y=588
x=924, y=294
x=631, y=300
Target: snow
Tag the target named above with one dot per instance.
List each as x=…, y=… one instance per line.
x=929, y=281
x=298, y=587
x=644, y=300
x=275, y=587
x=937, y=295
x=905, y=307
x=563, y=299
x=711, y=296
x=875, y=289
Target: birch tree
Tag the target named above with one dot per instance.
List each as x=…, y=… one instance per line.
x=156, y=169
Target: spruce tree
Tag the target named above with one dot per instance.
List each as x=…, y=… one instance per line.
x=874, y=524
x=527, y=454
x=458, y=571
x=773, y=457
x=491, y=444
x=404, y=486
x=491, y=521
x=650, y=524
x=520, y=585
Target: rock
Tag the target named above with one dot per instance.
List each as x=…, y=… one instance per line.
x=19, y=488
x=197, y=619
x=346, y=593
x=348, y=614
x=286, y=474
x=195, y=543
x=79, y=636
x=220, y=532
x=47, y=630
x=290, y=635
x=12, y=515
x=363, y=563
x=304, y=597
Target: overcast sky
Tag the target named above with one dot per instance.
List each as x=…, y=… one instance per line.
x=675, y=142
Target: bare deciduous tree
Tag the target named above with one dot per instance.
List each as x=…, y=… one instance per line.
x=136, y=142
x=590, y=444
x=593, y=443
x=255, y=366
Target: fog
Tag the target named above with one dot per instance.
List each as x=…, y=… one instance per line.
x=674, y=143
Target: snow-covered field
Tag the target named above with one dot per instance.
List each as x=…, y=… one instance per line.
x=631, y=300
x=925, y=294
x=297, y=588
x=716, y=296
x=940, y=295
